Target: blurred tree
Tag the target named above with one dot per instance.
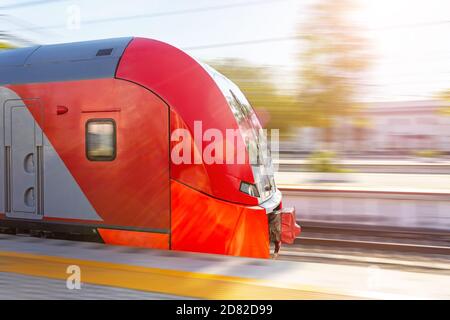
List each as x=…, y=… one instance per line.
x=275, y=110
x=5, y=45
x=333, y=61
x=445, y=96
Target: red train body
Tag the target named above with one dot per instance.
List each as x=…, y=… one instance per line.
x=88, y=148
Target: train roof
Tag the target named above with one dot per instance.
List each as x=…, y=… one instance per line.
x=62, y=62
x=192, y=91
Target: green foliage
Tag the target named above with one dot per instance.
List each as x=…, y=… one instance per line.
x=4, y=45
x=276, y=110
x=445, y=96
x=428, y=153
x=324, y=161
x=333, y=60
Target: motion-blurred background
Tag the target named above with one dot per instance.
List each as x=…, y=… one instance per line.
x=359, y=89
x=356, y=77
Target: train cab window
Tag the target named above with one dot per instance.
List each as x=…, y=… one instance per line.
x=101, y=140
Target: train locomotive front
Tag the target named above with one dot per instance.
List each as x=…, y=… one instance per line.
x=137, y=143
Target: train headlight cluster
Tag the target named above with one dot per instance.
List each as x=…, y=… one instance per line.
x=249, y=189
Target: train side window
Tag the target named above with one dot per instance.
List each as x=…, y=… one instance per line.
x=101, y=139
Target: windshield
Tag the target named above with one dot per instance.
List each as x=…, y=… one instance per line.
x=252, y=132
x=244, y=114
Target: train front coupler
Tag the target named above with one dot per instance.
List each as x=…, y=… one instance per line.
x=283, y=228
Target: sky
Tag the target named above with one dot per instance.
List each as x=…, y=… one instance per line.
x=409, y=39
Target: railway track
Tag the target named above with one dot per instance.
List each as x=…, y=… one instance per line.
x=410, y=249
x=374, y=238
x=372, y=231
x=374, y=245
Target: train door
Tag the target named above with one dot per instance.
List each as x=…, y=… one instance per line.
x=23, y=160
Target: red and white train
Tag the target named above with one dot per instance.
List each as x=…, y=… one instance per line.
x=85, y=148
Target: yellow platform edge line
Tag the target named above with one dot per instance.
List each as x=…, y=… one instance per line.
x=172, y=282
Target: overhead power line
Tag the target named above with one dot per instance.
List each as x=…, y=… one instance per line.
x=299, y=36
x=15, y=39
x=25, y=24
x=166, y=13
x=204, y=9
x=241, y=43
x=27, y=4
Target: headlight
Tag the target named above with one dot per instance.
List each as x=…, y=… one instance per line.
x=249, y=189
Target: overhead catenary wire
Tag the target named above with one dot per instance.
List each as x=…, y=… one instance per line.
x=15, y=39
x=206, y=9
x=166, y=13
x=27, y=4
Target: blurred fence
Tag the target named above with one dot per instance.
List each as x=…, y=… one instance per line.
x=405, y=210
x=370, y=166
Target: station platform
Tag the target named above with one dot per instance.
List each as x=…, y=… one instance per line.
x=34, y=268
x=361, y=181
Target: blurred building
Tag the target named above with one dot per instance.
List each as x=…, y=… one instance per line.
x=408, y=126
x=391, y=128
